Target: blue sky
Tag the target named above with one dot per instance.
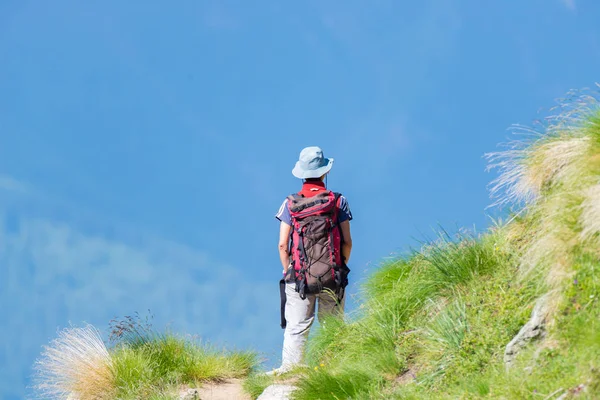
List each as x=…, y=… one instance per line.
x=145, y=146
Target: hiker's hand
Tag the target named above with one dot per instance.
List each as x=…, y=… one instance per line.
x=285, y=270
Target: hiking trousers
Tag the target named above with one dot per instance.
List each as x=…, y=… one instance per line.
x=300, y=315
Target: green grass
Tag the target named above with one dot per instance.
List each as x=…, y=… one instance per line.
x=255, y=384
x=448, y=329
x=428, y=308
x=166, y=361
x=452, y=337
x=334, y=385
x=571, y=358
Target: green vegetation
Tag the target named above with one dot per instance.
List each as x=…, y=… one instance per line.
x=255, y=384
x=141, y=364
x=168, y=361
x=435, y=323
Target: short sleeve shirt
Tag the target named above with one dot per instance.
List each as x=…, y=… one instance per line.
x=344, y=213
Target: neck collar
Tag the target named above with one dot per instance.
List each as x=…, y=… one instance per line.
x=312, y=187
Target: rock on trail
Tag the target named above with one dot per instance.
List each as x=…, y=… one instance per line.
x=277, y=392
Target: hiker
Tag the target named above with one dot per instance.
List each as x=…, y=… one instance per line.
x=314, y=248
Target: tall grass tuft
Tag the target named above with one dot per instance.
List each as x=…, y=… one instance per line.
x=132, y=330
x=449, y=327
x=76, y=365
x=255, y=384
x=546, y=153
x=349, y=383
x=148, y=362
x=460, y=260
x=556, y=177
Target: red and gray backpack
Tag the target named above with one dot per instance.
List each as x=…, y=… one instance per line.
x=316, y=244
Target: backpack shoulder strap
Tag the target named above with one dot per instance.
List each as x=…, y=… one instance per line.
x=295, y=196
x=338, y=197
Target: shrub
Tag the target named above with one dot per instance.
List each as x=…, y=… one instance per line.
x=76, y=362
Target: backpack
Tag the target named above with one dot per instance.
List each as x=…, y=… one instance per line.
x=316, y=244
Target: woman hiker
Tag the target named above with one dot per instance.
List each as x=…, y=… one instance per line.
x=314, y=247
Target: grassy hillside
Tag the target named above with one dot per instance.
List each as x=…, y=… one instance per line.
x=436, y=322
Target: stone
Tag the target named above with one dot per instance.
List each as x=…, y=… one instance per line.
x=277, y=392
x=189, y=394
x=534, y=328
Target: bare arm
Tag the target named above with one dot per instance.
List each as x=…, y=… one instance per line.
x=347, y=245
x=284, y=237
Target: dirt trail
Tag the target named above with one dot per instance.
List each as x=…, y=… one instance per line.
x=228, y=390
x=232, y=390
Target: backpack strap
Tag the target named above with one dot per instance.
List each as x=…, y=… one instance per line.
x=338, y=196
x=295, y=196
x=292, y=197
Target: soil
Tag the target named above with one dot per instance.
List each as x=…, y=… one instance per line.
x=228, y=390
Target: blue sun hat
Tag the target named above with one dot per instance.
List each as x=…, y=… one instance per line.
x=312, y=163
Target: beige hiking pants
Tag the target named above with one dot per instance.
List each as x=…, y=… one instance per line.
x=300, y=315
